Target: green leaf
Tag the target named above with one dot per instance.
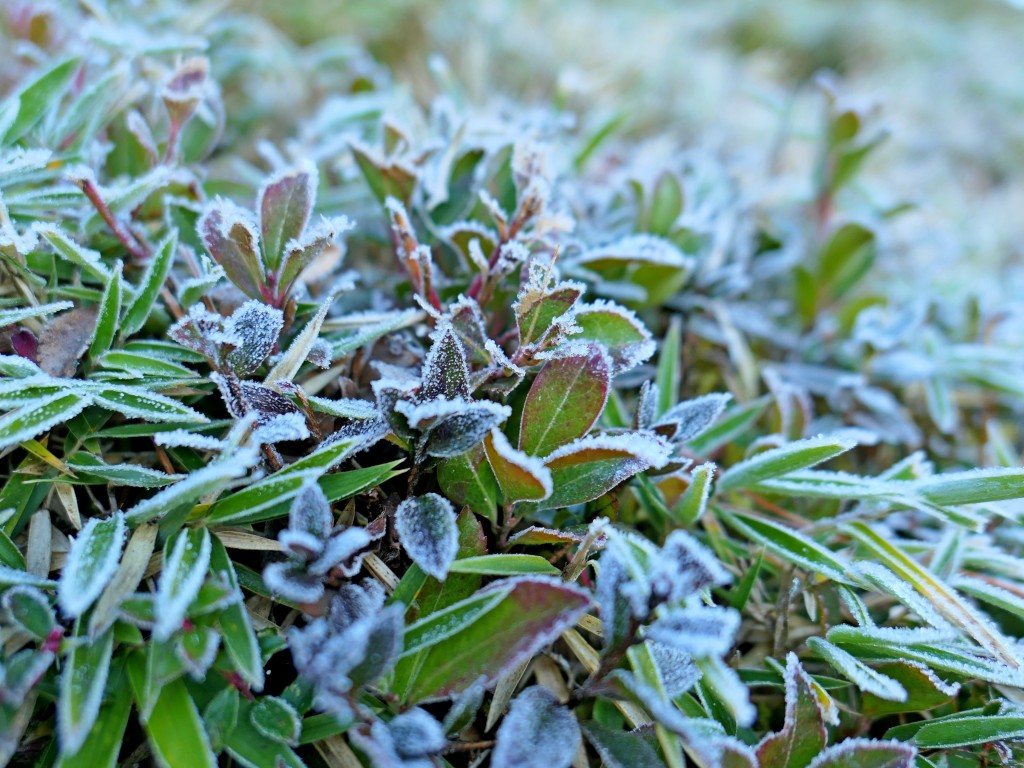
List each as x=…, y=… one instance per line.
x=39, y=97
x=618, y=330
x=67, y=248
x=109, y=313
x=386, y=178
x=284, y=205
x=620, y=749
x=803, y=736
x=565, y=400
x=276, y=719
x=789, y=544
x=293, y=358
x=173, y=727
x=866, y=753
x=694, y=501
x=82, y=682
x=141, y=364
x=468, y=479
x=183, y=494
x=14, y=316
x=961, y=732
x=505, y=623
x=670, y=366
x=924, y=689
x=503, y=565
x=34, y=418
x=235, y=627
x=251, y=748
x=666, y=205
x=856, y=671
x=972, y=487
x=90, y=467
x=186, y=561
x=156, y=275
x=536, y=312
x=138, y=403
x=845, y=258
x=91, y=563
x=103, y=743
x=733, y=423
x=776, y=462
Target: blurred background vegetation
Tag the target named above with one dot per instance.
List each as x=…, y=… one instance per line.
x=735, y=76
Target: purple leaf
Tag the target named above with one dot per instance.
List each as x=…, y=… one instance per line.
x=426, y=527
x=536, y=726
x=566, y=398
x=253, y=329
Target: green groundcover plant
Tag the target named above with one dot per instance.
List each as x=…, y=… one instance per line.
x=343, y=430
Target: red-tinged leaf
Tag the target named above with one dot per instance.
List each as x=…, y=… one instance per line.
x=866, y=753
x=467, y=479
x=434, y=595
x=530, y=613
x=232, y=242
x=520, y=477
x=285, y=204
x=803, y=736
x=592, y=466
x=566, y=399
x=539, y=536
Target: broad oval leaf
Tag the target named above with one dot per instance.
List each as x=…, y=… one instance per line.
x=285, y=203
x=566, y=399
x=520, y=477
x=866, y=753
x=619, y=330
x=503, y=565
x=591, y=466
x=536, y=725
x=426, y=527
x=468, y=479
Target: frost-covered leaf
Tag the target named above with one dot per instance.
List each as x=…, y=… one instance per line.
x=91, y=563
x=38, y=97
x=803, y=736
x=591, y=466
x=33, y=418
x=17, y=315
x=698, y=630
x=455, y=433
x=297, y=352
x=29, y=609
x=972, y=487
x=139, y=403
x=619, y=330
x=284, y=204
x=445, y=373
x=651, y=264
x=538, y=305
x=566, y=399
x=866, y=753
x=196, y=648
x=90, y=467
x=857, y=672
x=520, y=477
x=183, y=494
x=230, y=237
x=621, y=749
x=468, y=480
x=236, y=629
x=694, y=501
x=253, y=329
x=153, y=281
x=306, y=250
x=777, y=462
x=426, y=527
x=536, y=724
x=276, y=719
x=415, y=733
x=186, y=561
x=108, y=315
x=790, y=544
x=83, y=679
x=487, y=634
x=689, y=419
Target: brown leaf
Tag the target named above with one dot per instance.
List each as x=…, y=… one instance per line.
x=64, y=341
